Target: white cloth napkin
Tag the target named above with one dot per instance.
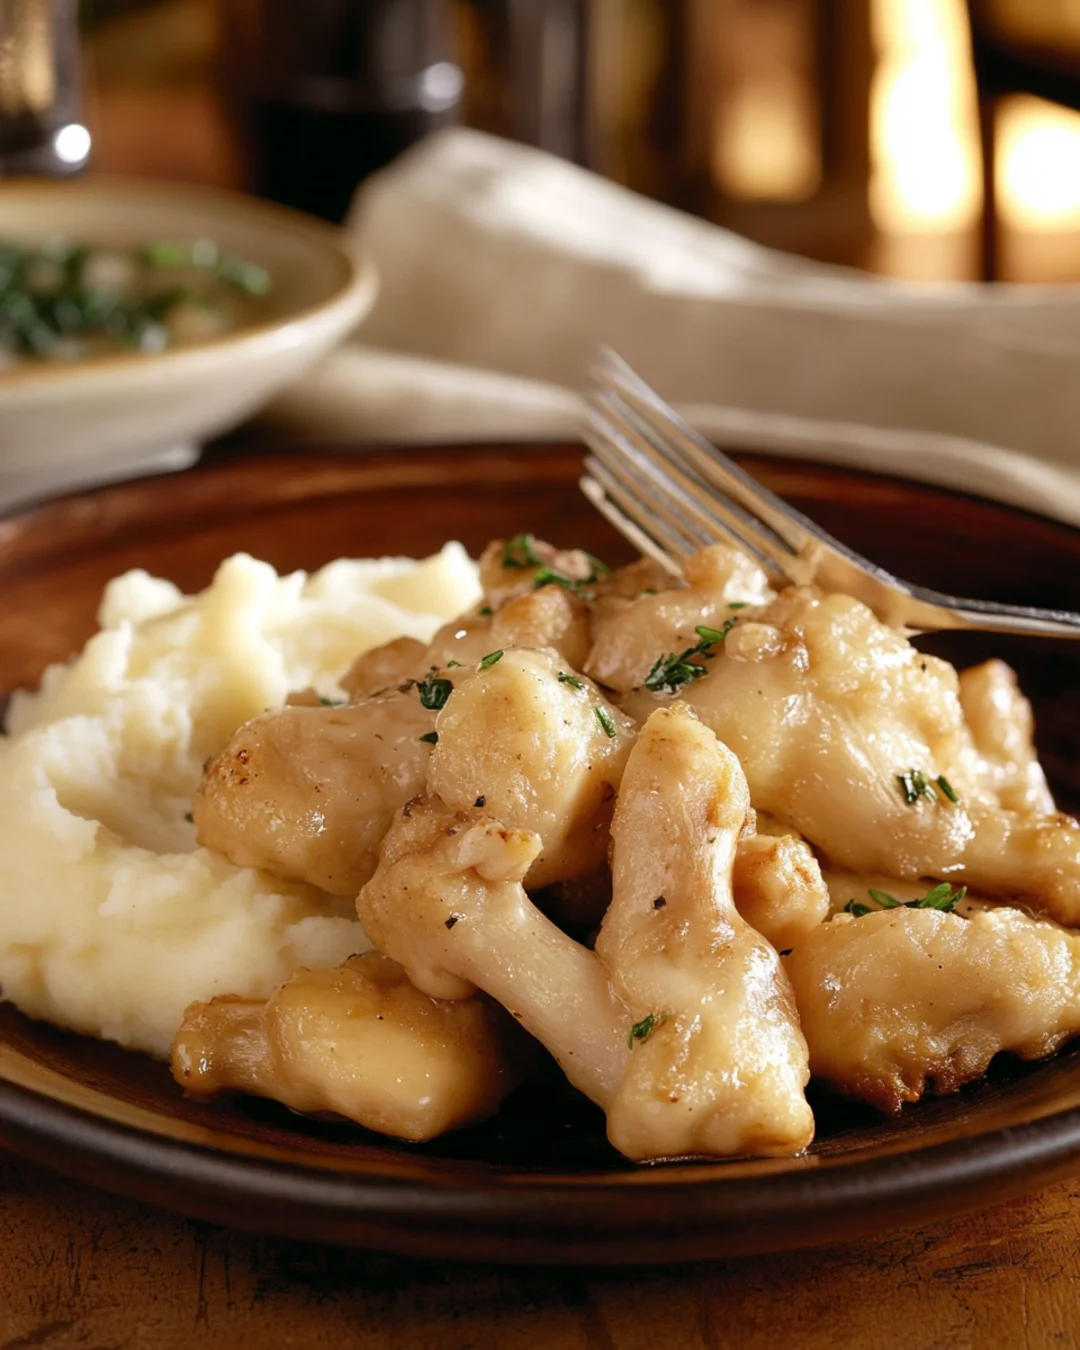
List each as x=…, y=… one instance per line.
x=504, y=269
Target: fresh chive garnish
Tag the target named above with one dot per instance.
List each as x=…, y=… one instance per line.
x=913, y=785
x=434, y=691
x=641, y=1031
x=942, y=897
x=605, y=720
x=431, y=738
x=853, y=907
x=492, y=658
x=671, y=673
x=571, y=680
x=520, y=553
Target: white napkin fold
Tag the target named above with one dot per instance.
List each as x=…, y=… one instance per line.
x=504, y=269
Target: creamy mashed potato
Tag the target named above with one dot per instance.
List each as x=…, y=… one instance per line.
x=112, y=919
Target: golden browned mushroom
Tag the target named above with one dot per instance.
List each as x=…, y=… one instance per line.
x=542, y=750
x=853, y=737
x=1002, y=729
x=902, y=1001
x=308, y=792
x=720, y=583
x=719, y=1064
x=680, y=1024
x=359, y=1041
x=778, y=887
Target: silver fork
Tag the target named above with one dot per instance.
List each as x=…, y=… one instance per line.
x=670, y=492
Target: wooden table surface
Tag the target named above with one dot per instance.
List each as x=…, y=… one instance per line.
x=81, y=1270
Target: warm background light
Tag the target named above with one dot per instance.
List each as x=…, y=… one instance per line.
x=766, y=142
x=1038, y=166
x=924, y=134
x=923, y=128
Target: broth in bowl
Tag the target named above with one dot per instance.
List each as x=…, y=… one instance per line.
x=67, y=301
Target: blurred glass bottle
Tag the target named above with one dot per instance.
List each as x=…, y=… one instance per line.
x=41, y=131
x=334, y=89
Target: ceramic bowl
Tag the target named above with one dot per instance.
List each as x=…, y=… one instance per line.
x=68, y=423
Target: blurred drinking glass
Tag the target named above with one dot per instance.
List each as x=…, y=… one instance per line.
x=41, y=131
x=331, y=90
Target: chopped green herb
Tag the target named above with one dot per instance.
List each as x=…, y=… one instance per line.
x=244, y=275
x=948, y=789
x=605, y=720
x=331, y=702
x=710, y=635
x=432, y=738
x=942, y=897
x=434, y=691
x=492, y=658
x=739, y=604
x=571, y=680
x=451, y=665
x=670, y=673
x=54, y=304
x=641, y=1031
x=550, y=576
x=485, y=612
x=520, y=552
x=913, y=785
x=189, y=818
x=166, y=253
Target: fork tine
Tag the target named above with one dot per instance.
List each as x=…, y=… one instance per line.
x=653, y=515
x=652, y=438
x=662, y=485
x=617, y=466
x=627, y=527
x=712, y=464
x=668, y=486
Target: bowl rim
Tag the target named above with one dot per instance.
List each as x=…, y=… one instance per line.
x=354, y=294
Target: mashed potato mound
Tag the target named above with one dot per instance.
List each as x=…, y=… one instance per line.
x=112, y=918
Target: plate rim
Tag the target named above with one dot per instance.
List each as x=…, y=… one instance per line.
x=555, y=1220
x=788, y=1209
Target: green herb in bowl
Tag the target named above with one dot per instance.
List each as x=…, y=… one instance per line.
x=64, y=301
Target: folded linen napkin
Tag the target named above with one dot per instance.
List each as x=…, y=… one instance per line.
x=504, y=269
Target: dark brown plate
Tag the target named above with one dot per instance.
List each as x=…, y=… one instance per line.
x=539, y=1183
